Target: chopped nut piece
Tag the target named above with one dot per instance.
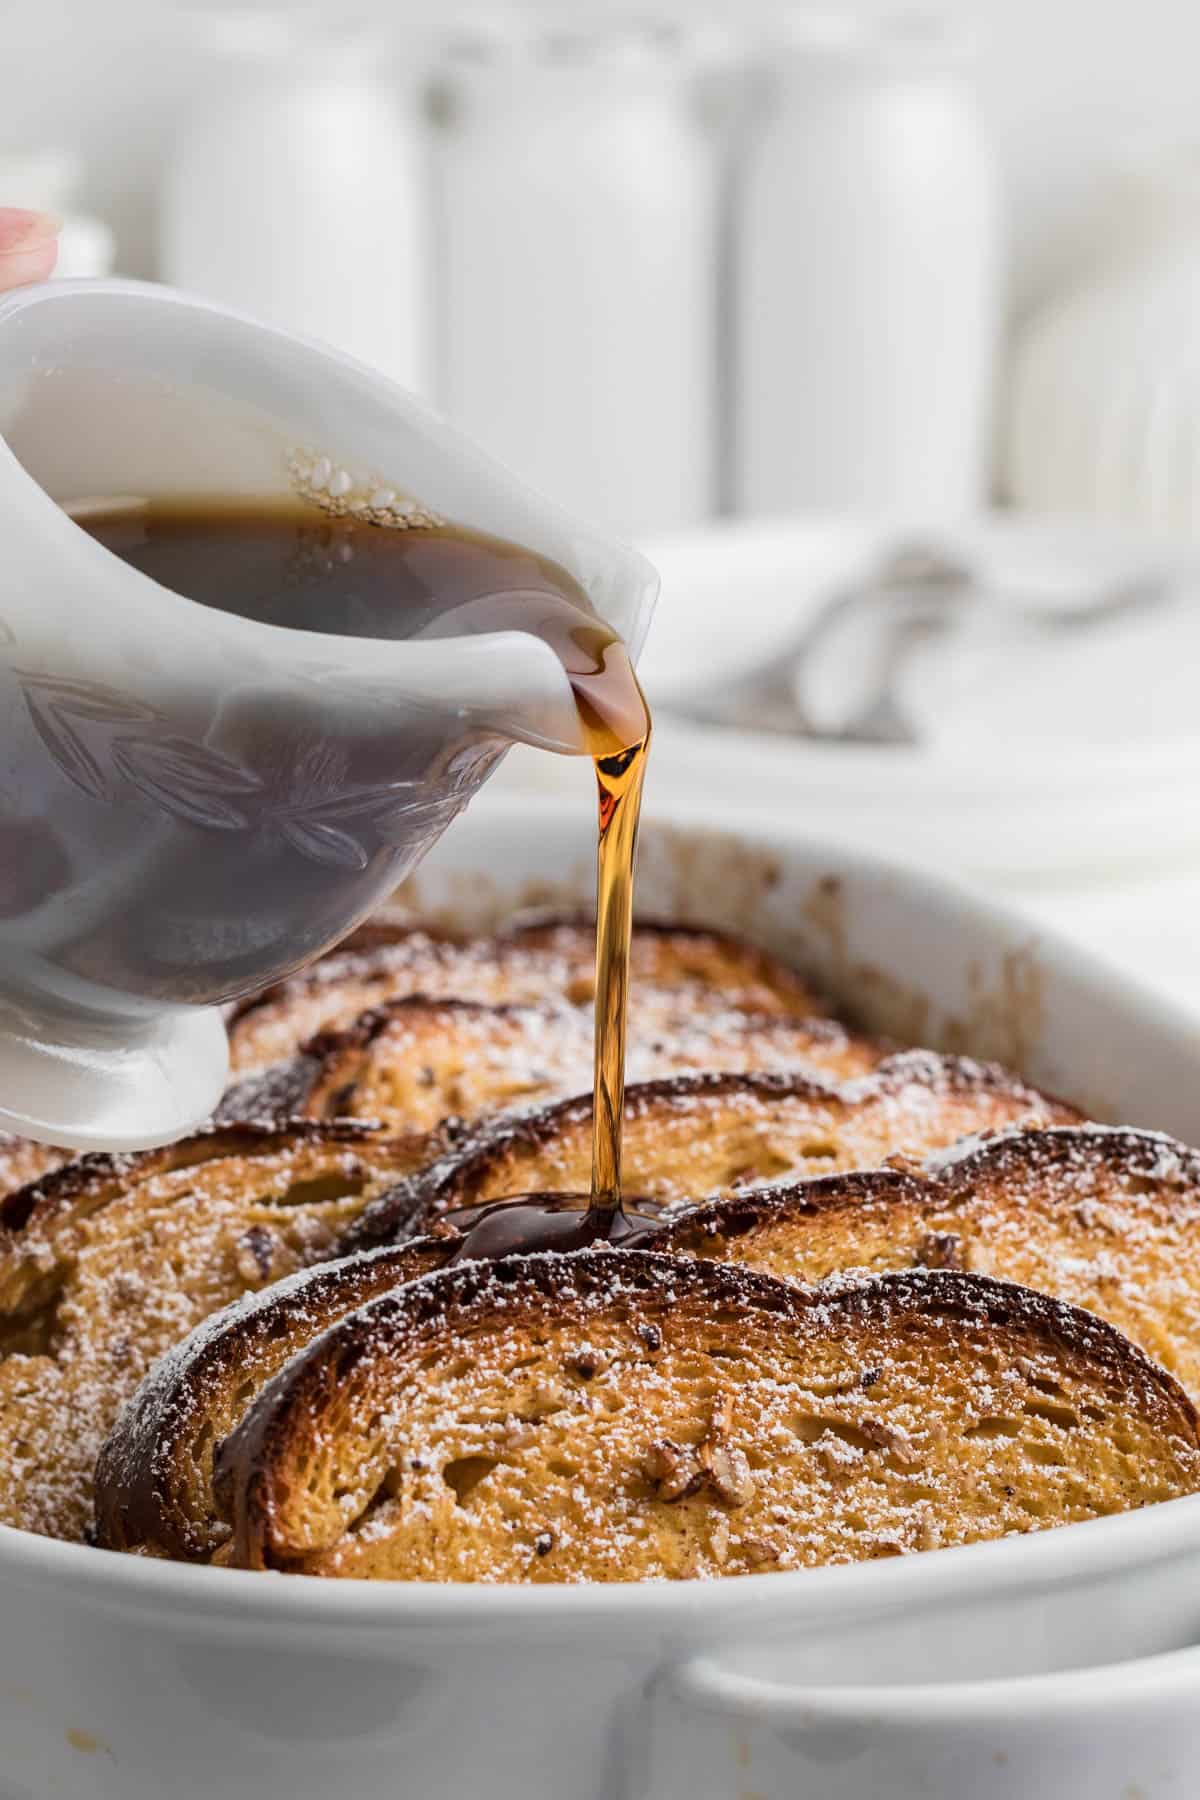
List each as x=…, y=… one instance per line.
x=589, y=1362
x=672, y=1468
x=869, y=1377
x=892, y=1438
x=727, y=1472
x=255, y=1255
x=941, y=1250
x=651, y=1336
x=543, y=1543
x=760, y=1550
x=719, y=1541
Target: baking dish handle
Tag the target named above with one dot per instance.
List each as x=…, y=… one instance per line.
x=1110, y=1733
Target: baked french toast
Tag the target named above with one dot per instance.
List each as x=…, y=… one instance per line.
x=709, y=1134
x=689, y=1407
x=154, y=1477
x=626, y=1416
x=1107, y=1219
x=23, y=1161
x=413, y=1062
x=546, y=960
x=111, y=1260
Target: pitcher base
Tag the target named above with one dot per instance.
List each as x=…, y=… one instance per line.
x=74, y=1085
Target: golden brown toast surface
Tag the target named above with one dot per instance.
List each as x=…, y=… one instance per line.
x=710, y=1134
x=111, y=1260
x=545, y=962
x=413, y=1062
x=625, y=1416
x=154, y=1477
x=1107, y=1219
x=23, y=1161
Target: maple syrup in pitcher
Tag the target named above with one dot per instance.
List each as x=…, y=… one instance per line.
x=289, y=564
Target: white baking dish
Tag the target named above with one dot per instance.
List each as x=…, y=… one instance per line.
x=128, y=1679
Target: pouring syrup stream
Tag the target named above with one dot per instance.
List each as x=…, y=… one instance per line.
x=284, y=563
x=564, y=1222
x=619, y=779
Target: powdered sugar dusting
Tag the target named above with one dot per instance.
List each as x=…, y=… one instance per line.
x=624, y=1416
x=92, y=1292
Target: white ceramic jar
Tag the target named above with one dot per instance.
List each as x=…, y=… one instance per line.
x=576, y=200
x=867, y=274
x=1102, y=410
x=297, y=191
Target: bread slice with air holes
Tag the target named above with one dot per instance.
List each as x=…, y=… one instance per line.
x=623, y=1416
x=413, y=1062
x=154, y=1476
x=109, y=1261
x=706, y=1134
x=1108, y=1219
x=545, y=960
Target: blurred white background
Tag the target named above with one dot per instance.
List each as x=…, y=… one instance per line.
x=850, y=282
x=1062, y=82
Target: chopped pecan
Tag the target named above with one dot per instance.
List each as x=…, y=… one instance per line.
x=723, y=1466
x=673, y=1468
x=255, y=1255
x=588, y=1362
x=941, y=1250
x=892, y=1438
x=761, y=1550
x=727, y=1472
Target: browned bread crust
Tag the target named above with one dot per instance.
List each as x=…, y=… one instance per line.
x=1107, y=1219
x=23, y=1161
x=549, y=960
x=154, y=1477
x=110, y=1260
x=627, y=1416
x=413, y=1062
x=711, y=1134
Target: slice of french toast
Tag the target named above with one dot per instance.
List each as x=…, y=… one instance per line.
x=413, y=1062
x=1107, y=1219
x=624, y=1416
x=547, y=960
x=154, y=1476
x=700, y=1135
x=110, y=1260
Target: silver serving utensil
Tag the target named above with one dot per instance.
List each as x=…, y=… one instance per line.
x=836, y=679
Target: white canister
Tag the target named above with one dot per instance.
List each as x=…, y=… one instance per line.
x=1102, y=412
x=576, y=201
x=867, y=261
x=297, y=191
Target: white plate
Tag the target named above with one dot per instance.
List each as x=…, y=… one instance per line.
x=1093, y=776
x=123, y=1678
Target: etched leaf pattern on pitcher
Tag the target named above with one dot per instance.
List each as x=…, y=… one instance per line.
x=102, y=739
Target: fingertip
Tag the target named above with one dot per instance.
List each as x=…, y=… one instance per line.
x=22, y=229
x=20, y=267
